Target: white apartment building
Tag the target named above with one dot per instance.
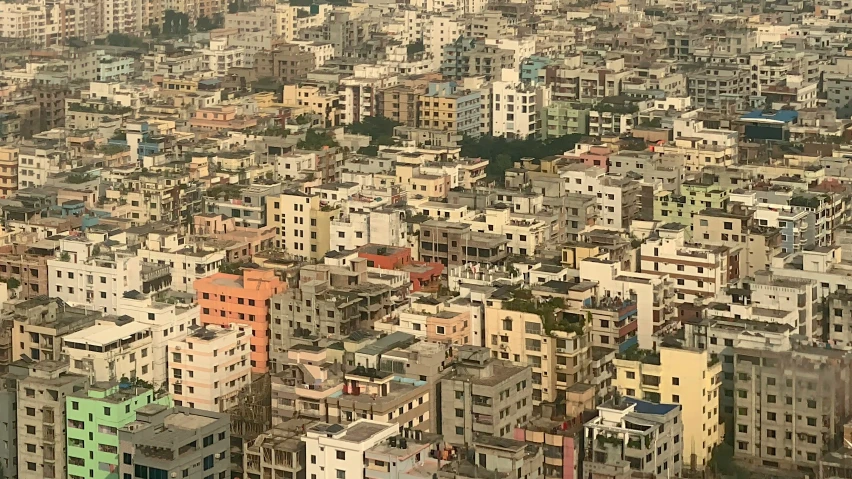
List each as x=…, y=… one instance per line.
x=439, y=30
x=209, y=367
x=349, y=232
x=515, y=106
x=359, y=90
x=36, y=163
x=186, y=264
x=617, y=197
x=771, y=299
x=701, y=146
x=111, y=349
x=525, y=233
x=337, y=450
x=695, y=272
x=168, y=322
x=93, y=282
x=322, y=52
x=649, y=291
x=219, y=57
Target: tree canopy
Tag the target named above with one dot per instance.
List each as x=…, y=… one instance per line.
x=378, y=128
x=503, y=152
x=316, y=140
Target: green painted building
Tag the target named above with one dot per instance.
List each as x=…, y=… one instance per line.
x=697, y=195
x=562, y=118
x=94, y=418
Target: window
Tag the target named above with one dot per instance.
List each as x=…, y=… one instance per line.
x=208, y=462
x=675, y=381
x=341, y=455
x=439, y=329
x=340, y=474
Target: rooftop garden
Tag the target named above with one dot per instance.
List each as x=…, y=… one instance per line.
x=113, y=149
x=645, y=356
x=101, y=108
x=225, y=191
x=807, y=201
x=550, y=311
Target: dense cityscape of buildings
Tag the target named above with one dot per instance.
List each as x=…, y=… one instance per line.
x=484, y=239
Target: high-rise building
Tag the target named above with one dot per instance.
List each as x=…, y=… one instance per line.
x=175, y=442
x=242, y=299
x=42, y=419
x=100, y=412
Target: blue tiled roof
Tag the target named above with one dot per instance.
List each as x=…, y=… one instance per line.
x=785, y=116
x=646, y=407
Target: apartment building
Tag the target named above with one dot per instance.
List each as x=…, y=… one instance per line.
x=157, y=441
x=300, y=391
x=470, y=57
x=719, y=88
x=342, y=448
x=652, y=294
x=103, y=409
x=166, y=321
x=41, y=323
x=227, y=299
x=455, y=244
x=483, y=395
x=332, y=301
x=8, y=170
x=678, y=375
x=380, y=395
x=302, y=223
x=18, y=262
x=278, y=451
x=80, y=277
x=42, y=395
x=790, y=405
x=558, y=352
x=695, y=272
x=286, y=62
x=633, y=436
x=209, y=367
x=772, y=299
x=516, y=107
x=617, y=197
x=562, y=118
x=447, y=107
x=114, y=348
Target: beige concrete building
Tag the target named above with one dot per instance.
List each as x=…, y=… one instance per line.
x=8, y=170
x=689, y=377
x=40, y=324
x=558, y=352
x=483, y=395
x=301, y=223
x=209, y=367
x=41, y=419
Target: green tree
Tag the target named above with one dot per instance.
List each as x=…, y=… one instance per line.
x=374, y=127
x=491, y=147
x=175, y=23
x=315, y=140
x=204, y=24
x=12, y=283
x=497, y=167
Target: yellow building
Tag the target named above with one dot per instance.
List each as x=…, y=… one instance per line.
x=689, y=377
x=302, y=223
x=559, y=358
x=8, y=170
x=314, y=99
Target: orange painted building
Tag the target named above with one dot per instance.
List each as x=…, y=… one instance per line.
x=423, y=275
x=225, y=299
